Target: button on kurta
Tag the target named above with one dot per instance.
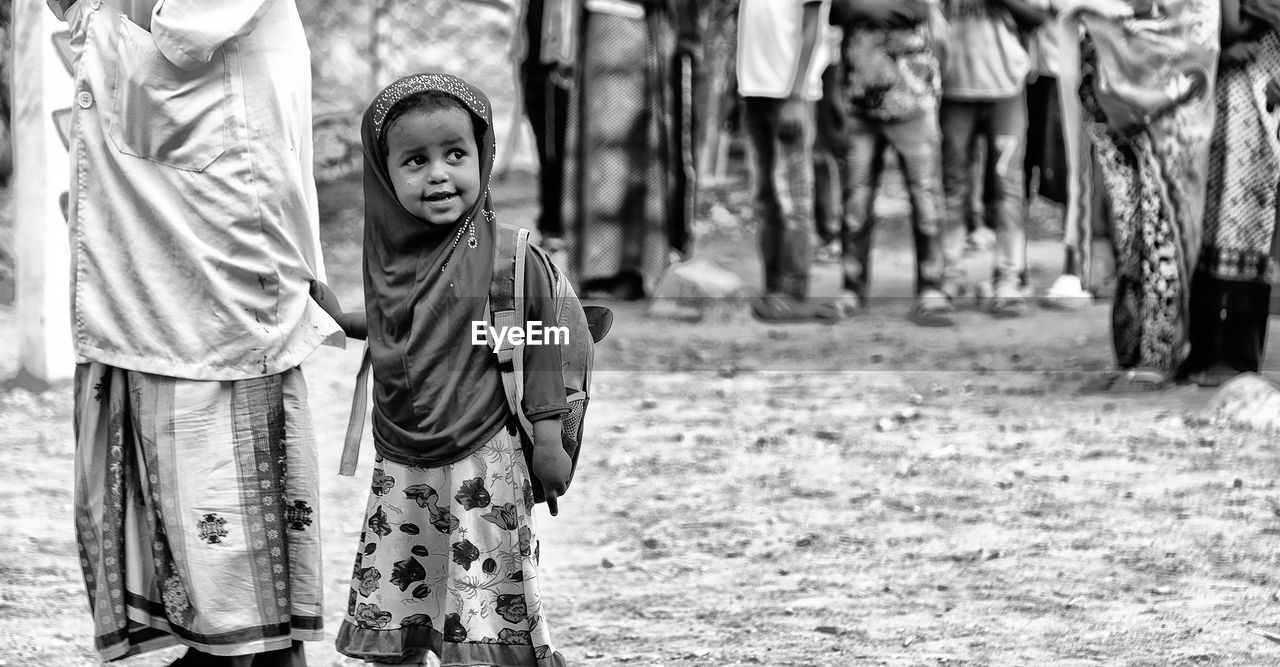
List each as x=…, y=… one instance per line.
x=84, y=99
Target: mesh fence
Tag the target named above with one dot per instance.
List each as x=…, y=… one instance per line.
x=360, y=46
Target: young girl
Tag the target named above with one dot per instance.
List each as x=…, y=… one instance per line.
x=447, y=561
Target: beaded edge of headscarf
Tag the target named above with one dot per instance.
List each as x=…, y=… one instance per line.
x=418, y=83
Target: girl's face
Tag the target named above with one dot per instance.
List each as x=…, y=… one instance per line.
x=434, y=164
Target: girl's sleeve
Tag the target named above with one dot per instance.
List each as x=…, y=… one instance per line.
x=188, y=32
x=544, y=396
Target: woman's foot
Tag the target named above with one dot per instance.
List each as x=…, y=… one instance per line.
x=1135, y=380
x=1213, y=376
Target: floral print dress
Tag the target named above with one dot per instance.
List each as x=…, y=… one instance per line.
x=1154, y=182
x=447, y=564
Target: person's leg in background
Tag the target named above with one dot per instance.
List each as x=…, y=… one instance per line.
x=979, y=234
x=918, y=144
x=1228, y=329
x=796, y=199
x=546, y=103
x=760, y=115
x=784, y=203
x=830, y=142
x=1205, y=323
x=1006, y=148
x=958, y=121
x=865, y=159
x=1264, y=309
x=1102, y=252
x=551, y=148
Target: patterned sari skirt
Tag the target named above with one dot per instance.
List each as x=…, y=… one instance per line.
x=447, y=564
x=195, y=512
x=1153, y=183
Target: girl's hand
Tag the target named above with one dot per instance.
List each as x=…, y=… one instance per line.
x=551, y=463
x=321, y=294
x=353, y=324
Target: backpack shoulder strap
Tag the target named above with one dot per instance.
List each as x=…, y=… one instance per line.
x=506, y=310
x=355, y=423
x=505, y=287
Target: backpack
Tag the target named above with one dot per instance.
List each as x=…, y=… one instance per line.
x=586, y=325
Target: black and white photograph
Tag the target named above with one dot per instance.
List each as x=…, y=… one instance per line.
x=560, y=333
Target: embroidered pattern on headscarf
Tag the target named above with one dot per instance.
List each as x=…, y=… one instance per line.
x=420, y=83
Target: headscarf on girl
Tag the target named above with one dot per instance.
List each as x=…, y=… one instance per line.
x=436, y=395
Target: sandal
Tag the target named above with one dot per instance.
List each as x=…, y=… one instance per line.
x=1008, y=301
x=848, y=303
x=1137, y=380
x=932, y=309
x=828, y=253
x=777, y=308
x=1213, y=376
x=1066, y=293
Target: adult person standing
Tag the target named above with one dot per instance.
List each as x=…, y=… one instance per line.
x=892, y=85
x=984, y=78
x=628, y=181
x=781, y=57
x=1239, y=263
x=548, y=35
x=194, y=237
x=1147, y=71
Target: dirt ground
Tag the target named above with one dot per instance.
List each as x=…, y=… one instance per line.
x=861, y=493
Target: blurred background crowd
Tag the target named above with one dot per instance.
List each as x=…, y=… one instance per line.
x=1152, y=124
x=1149, y=124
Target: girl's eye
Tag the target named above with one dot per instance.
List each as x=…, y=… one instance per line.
x=415, y=161
x=457, y=154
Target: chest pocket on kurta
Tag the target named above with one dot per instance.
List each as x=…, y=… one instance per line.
x=163, y=113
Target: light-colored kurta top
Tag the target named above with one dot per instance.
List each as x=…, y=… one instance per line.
x=770, y=37
x=193, y=218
